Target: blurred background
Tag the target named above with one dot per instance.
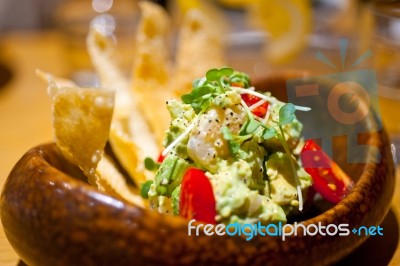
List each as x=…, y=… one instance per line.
x=26, y=14
x=286, y=33
x=260, y=37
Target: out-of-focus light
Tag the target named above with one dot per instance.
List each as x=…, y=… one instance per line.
x=102, y=6
x=105, y=24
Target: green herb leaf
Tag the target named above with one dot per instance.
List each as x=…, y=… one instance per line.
x=252, y=126
x=196, y=83
x=150, y=164
x=215, y=74
x=203, y=90
x=269, y=132
x=187, y=98
x=234, y=148
x=144, y=191
x=242, y=130
x=234, y=142
x=212, y=74
x=200, y=97
x=216, y=82
x=226, y=133
x=240, y=78
x=225, y=71
x=286, y=114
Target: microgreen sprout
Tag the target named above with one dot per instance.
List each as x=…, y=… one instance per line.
x=219, y=75
x=265, y=97
x=286, y=116
x=144, y=190
x=257, y=104
x=252, y=126
x=267, y=113
x=181, y=137
x=293, y=164
x=234, y=142
x=218, y=81
x=247, y=109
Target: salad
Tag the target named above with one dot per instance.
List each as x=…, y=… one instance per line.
x=234, y=154
x=230, y=154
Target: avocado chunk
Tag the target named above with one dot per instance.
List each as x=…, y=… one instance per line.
x=169, y=174
x=175, y=199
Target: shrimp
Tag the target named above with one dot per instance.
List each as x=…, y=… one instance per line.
x=206, y=143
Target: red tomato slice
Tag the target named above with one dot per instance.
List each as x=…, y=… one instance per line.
x=250, y=100
x=328, y=178
x=197, y=198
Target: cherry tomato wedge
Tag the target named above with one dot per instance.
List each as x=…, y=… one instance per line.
x=261, y=110
x=328, y=178
x=197, y=199
x=237, y=84
x=160, y=158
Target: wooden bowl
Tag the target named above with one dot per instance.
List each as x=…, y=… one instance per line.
x=51, y=216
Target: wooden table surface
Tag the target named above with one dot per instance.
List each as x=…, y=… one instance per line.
x=25, y=122
x=25, y=119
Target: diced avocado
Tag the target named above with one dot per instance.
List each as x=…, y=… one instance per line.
x=170, y=174
x=175, y=199
x=250, y=173
x=144, y=191
x=254, y=157
x=292, y=132
x=236, y=202
x=226, y=99
x=181, y=114
x=282, y=181
x=179, y=109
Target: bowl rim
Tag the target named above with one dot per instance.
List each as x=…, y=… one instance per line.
x=338, y=212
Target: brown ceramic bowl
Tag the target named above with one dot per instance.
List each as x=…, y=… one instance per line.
x=51, y=216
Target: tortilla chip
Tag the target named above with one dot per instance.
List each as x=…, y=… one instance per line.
x=81, y=120
x=112, y=181
x=199, y=49
x=102, y=51
x=151, y=71
x=54, y=83
x=132, y=149
x=131, y=144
